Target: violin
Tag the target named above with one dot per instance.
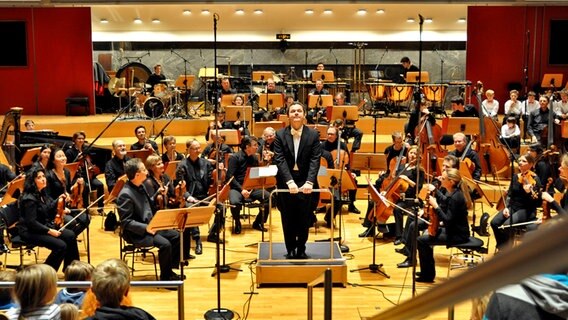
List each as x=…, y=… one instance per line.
x=85, y=162
x=76, y=196
x=218, y=176
x=179, y=192
x=60, y=215
x=431, y=213
x=545, y=204
x=527, y=178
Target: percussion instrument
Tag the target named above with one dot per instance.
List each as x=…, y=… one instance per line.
x=161, y=91
x=435, y=92
x=377, y=91
x=154, y=107
x=398, y=92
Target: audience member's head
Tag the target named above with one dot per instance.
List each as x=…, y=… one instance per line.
x=69, y=311
x=35, y=287
x=79, y=271
x=6, y=293
x=111, y=282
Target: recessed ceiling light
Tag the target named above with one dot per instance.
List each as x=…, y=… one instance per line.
x=461, y=20
x=362, y=12
x=205, y=11
x=137, y=20
x=104, y=21
x=380, y=11
x=410, y=20
x=428, y=20
x=240, y=11
x=309, y=11
x=186, y=12
x=327, y=11
x=155, y=20
x=258, y=11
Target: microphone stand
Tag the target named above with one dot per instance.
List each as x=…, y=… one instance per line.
x=441, y=65
x=217, y=313
x=382, y=56
x=344, y=248
x=186, y=96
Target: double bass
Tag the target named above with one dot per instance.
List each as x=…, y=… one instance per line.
x=429, y=136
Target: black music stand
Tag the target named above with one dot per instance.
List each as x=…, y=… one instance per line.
x=260, y=178
x=338, y=180
x=374, y=267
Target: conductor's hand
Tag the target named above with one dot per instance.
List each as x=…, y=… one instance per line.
x=293, y=187
x=307, y=188
x=150, y=230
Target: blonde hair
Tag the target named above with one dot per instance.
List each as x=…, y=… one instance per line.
x=454, y=175
x=111, y=281
x=35, y=287
x=69, y=311
x=79, y=271
x=152, y=160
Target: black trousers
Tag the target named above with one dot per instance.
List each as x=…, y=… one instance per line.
x=63, y=248
x=502, y=235
x=236, y=199
x=296, y=211
x=425, y=245
x=167, y=242
x=97, y=185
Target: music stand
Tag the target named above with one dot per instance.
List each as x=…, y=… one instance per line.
x=320, y=100
x=140, y=154
x=29, y=156
x=17, y=184
x=343, y=113
x=325, y=75
x=208, y=72
x=72, y=167
x=417, y=77
x=552, y=80
x=368, y=161
x=232, y=136
x=259, y=127
x=262, y=75
x=330, y=180
x=113, y=194
x=321, y=129
x=468, y=126
x=260, y=178
x=170, y=168
x=270, y=101
x=179, y=83
x=238, y=113
x=374, y=267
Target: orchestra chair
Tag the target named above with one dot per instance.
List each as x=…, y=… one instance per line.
x=249, y=204
x=10, y=215
x=472, y=252
x=136, y=250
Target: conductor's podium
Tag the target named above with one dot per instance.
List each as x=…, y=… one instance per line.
x=279, y=270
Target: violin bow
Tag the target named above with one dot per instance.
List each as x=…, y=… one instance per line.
x=80, y=213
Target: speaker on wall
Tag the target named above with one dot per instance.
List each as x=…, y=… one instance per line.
x=556, y=49
x=14, y=52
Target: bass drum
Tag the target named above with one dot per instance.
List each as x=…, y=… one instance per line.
x=153, y=107
x=135, y=73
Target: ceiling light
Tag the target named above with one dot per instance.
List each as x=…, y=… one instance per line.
x=461, y=20
x=258, y=11
x=205, y=11
x=380, y=11
x=104, y=21
x=155, y=20
x=240, y=11
x=309, y=11
x=137, y=20
x=327, y=11
x=428, y=20
x=362, y=12
x=410, y=20
x=186, y=12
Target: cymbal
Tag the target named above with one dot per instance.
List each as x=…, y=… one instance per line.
x=167, y=80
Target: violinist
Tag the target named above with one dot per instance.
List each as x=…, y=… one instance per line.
x=75, y=153
x=114, y=168
x=241, y=125
x=542, y=166
x=329, y=146
x=196, y=172
x=43, y=158
x=210, y=151
x=538, y=121
x=460, y=110
x=460, y=143
x=219, y=123
x=160, y=188
x=143, y=142
x=451, y=209
x=36, y=227
x=59, y=183
x=238, y=164
x=522, y=200
x=348, y=129
x=266, y=146
x=171, y=154
x=316, y=114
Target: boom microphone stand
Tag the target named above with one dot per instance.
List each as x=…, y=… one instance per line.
x=186, y=96
x=217, y=313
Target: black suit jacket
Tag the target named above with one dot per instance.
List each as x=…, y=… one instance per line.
x=308, y=161
x=135, y=213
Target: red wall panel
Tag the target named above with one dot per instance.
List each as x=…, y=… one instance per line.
x=60, y=60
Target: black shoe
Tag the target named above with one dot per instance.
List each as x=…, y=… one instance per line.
x=401, y=251
x=189, y=257
x=258, y=226
x=198, y=247
x=302, y=255
x=370, y=232
x=172, y=277
x=406, y=264
x=238, y=228
x=424, y=279
x=397, y=242
x=290, y=255
x=214, y=238
x=353, y=209
x=4, y=248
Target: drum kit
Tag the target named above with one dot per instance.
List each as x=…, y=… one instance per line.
x=166, y=102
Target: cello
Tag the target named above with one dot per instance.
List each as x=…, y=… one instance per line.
x=429, y=136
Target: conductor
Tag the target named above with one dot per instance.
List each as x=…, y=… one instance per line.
x=297, y=155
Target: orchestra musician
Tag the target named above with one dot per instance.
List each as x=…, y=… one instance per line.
x=75, y=153
x=114, y=168
x=521, y=203
x=160, y=188
x=542, y=166
x=266, y=146
x=561, y=114
x=239, y=100
x=297, y=154
x=197, y=174
x=36, y=226
x=155, y=78
x=320, y=66
x=538, y=120
x=136, y=212
x=408, y=66
x=460, y=144
x=210, y=150
x=219, y=123
x=490, y=106
x=43, y=159
x=459, y=110
x=29, y=125
x=316, y=114
x=451, y=209
x=348, y=129
x=238, y=164
x=170, y=154
x=562, y=207
x=143, y=143
x=6, y=175
x=226, y=87
x=59, y=183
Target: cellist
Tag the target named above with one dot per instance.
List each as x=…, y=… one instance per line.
x=451, y=209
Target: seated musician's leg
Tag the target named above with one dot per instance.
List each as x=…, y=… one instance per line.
x=357, y=134
x=263, y=197
x=236, y=200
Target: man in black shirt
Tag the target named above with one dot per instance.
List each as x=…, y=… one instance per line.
x=460, y=143
x=538, y=120
x=156, y=77
x=114, y=168
x=238, y=165
x=408, y=66
x=143, y=143
x=348, y=129
x=226, y=87
x=459, y=110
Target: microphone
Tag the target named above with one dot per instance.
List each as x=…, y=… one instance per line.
x=386, y=49
x=330, y=49
x=171, y=51
x=200, y=53
x=251, y=59
x=421, y=18
x=148, y=52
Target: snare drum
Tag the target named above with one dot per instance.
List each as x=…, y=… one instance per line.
x=377, y=91
x=154, y=107
x=435, y=92
x=161, y=90
x=398, y=92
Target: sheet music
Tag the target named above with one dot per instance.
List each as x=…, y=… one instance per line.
x=269, y=171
